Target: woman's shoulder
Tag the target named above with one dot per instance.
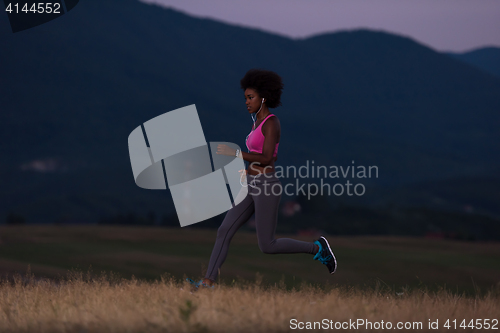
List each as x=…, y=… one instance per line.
x=272, y=122
x=274, y=119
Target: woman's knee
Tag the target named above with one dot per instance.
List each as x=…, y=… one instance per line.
x=267, y=247
x=226, y=231
x=222, y=231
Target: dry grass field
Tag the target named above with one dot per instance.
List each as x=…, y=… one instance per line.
x=108, y=304
x=130, y=279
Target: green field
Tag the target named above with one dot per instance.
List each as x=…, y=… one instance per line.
x=148, y=252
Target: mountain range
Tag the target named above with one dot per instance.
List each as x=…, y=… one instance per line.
x=73, y=89
x=485, y=58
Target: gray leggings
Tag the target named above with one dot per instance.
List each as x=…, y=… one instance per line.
x=263, y=199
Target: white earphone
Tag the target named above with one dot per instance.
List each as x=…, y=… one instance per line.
x=253, y=180
x=254, y=120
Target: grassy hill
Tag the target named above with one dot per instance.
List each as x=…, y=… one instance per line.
x=149, y=252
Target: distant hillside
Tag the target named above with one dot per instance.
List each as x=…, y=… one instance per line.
x=486, y=59
x=470, y=195
x=77, y=86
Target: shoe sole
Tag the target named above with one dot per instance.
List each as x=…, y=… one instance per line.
x=331, y=252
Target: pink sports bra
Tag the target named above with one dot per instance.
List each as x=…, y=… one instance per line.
x=255, y=140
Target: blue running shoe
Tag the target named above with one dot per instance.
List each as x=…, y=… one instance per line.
x=194, y=283
x=325, y=255
x=197, y=285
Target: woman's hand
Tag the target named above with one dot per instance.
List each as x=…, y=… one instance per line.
x=226, y=150
x=243, y=175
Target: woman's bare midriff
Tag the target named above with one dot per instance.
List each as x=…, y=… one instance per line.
x=256, y=169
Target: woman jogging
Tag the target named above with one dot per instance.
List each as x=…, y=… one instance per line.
x=262, y=91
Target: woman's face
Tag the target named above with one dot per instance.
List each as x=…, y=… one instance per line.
x=252, y=100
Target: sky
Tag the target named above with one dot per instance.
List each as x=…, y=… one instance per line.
x=444, y=25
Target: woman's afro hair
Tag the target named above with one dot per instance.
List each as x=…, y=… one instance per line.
x=268, y=85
